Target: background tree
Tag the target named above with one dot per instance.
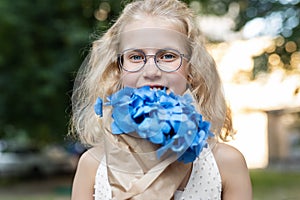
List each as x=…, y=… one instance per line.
x=42, y=44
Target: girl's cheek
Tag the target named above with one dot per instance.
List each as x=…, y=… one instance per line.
x=128, y=79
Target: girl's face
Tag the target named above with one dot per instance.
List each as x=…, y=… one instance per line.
x=153, y=53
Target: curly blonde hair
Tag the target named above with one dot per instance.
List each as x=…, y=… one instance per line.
x=100, y=75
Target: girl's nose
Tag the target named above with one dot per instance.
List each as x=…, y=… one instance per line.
x=150, y=70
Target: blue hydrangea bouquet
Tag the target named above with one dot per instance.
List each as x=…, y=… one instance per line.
x=163, y=118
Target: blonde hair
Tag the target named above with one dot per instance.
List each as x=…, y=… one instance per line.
x=99, y=75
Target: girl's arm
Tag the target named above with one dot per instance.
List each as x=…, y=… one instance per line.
x=84, y=180
x=236, y=183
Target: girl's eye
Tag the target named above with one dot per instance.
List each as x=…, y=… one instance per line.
x=168, y=56
x=136, y=58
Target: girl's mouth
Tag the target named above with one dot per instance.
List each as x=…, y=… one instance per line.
x=158, y=87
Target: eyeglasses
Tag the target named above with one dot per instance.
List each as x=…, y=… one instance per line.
x=167, y=60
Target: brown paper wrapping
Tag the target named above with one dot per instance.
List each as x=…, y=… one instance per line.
x=134, y=172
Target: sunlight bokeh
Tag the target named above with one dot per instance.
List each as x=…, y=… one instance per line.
x=251, y=99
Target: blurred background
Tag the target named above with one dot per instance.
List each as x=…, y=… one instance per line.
x=43, y=42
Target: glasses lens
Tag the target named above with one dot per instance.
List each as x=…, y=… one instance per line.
x=132, y=60
x=168, y=60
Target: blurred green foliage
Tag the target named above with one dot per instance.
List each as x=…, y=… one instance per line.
x=43, y=43
x=273, y=185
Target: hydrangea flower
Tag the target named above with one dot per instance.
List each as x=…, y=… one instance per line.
x=162, y=118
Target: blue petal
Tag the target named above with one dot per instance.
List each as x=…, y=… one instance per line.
x=148, y=128
x=165, y=127
x=162, y=150
x=188, y=156
x=115, y=128
x=179, y=117
x=123, y=121
x=121, y=96
x=98, y=107
x=158, y=138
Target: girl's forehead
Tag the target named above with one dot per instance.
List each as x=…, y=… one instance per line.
x=157, y=38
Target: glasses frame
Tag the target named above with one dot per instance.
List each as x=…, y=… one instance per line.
x=154, y=58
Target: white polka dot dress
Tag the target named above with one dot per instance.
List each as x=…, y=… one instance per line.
x=102, y=187
x=205, y=180
x=204, y=183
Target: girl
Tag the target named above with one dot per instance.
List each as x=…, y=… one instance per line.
x=154, y=44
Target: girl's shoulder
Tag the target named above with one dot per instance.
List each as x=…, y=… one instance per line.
x=233, y=170
x=83, y=183
x=92, y=157
x=229, y=159
x=90, y=160
x=227, y=155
